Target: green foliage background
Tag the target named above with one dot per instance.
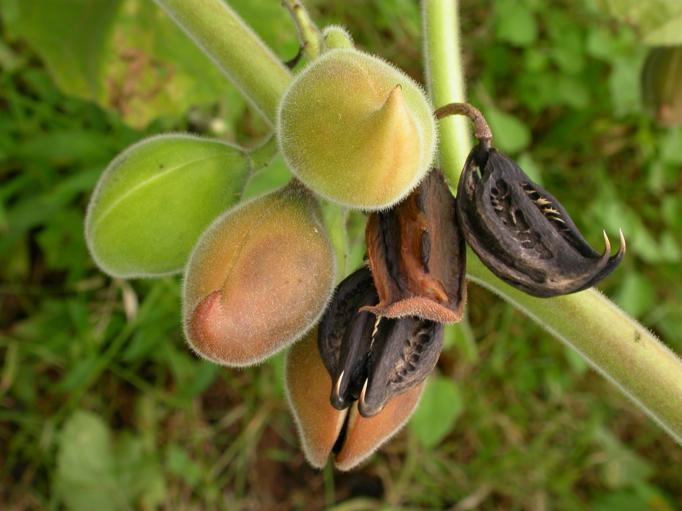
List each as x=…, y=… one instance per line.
x=102, y=406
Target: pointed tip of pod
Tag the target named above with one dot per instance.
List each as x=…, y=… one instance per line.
x=623, y=245
x=258, y=279
x=607, y=246
x=365, y=435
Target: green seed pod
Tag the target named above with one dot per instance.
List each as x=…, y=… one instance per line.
x=356, y=130
x=336, y=36
x=258, y=279
x=662, y=84
x=154, y=200
x=324, y=430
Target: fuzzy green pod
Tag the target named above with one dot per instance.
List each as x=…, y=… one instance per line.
x=155, y=199
x=258, y=279
x=336, y=36
x=356, y=130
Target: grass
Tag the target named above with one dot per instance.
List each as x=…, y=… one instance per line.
x=103, y=406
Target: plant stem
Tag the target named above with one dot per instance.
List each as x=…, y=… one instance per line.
x=611, y=341
x=308, y=33
x=614, y=344
x=249, y=64
x=442, y=58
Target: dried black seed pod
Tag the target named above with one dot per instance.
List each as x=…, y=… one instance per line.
x=417, y=255
x=370, y=363
x=345, y=335
x=404, y=351
x=522, y=233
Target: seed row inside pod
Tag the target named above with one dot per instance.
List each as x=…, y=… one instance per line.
x=521, y=232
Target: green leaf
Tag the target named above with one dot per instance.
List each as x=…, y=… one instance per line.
x=156, y=198
x=515, y=23
x=659, y=22
x=71, y=36
x=179, y=462
x=621, y=467
x=86, y=472
x=636, y=294
x=510, y=134
x=530, y=167
x=624, y=85
x=127, y=55
x=154, y=69
x=437, y=412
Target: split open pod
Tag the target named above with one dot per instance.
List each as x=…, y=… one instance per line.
x=356, y=130
x=258, y=279
x=345, y=434
x=417, y=255
x=522, y=233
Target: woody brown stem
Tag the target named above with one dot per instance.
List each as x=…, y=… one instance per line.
x=481, y=129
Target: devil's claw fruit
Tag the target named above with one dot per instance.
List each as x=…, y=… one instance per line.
x=522, y=233
x=370, y=360
x=258, y=279
x=417, y=255
x=356, y=130
x=324, y=430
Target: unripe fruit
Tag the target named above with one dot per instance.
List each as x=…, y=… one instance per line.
x=258, y=279
x=662, y=84
x=336, y=36
x=154, y=200
x=356, y=130
x=323, y=429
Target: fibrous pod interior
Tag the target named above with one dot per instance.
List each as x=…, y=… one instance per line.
x=345, y=335
x=370, y=360
x=404, y=351
x=522, y=232
x=417, y=255
x=259, y=277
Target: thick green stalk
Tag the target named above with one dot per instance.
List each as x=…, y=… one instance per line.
x=443, y=61
x=611, y=341
x=249, y=64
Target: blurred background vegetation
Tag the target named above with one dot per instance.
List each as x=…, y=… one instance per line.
x=103, y=407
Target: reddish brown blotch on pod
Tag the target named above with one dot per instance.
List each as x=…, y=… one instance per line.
x=258, y=279
x=325, y=431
